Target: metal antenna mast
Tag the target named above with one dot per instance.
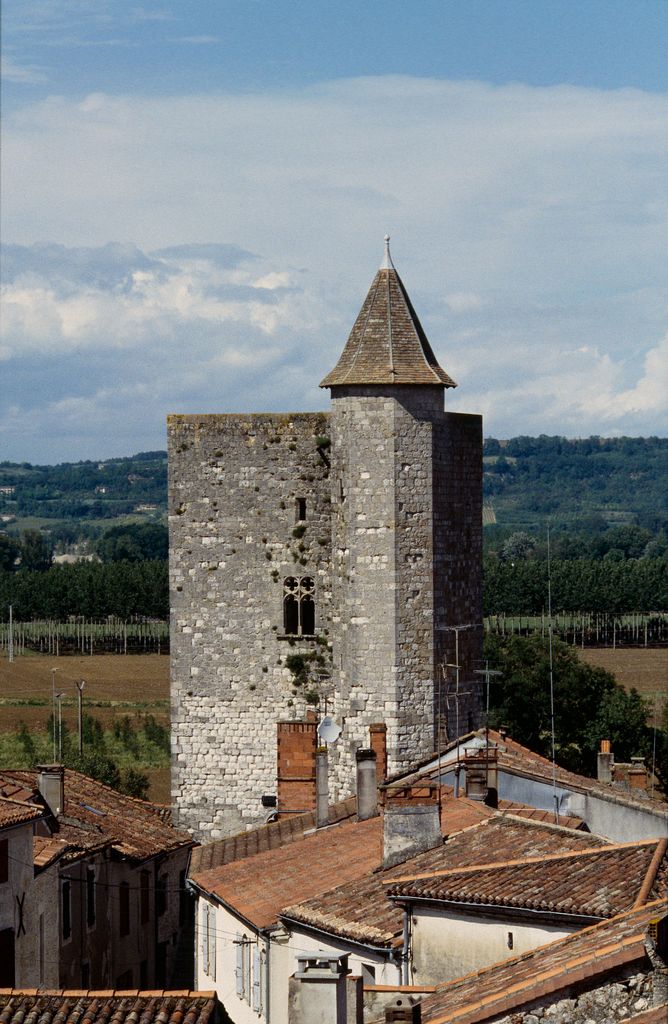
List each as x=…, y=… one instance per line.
x=549, y=633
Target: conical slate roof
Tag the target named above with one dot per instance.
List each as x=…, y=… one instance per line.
x=387, y=344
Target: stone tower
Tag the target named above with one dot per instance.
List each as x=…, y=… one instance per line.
x=406, y=534
x=323, y=558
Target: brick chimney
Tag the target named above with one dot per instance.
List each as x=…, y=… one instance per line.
x=296, y=749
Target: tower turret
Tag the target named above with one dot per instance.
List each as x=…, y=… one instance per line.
x=406, y=529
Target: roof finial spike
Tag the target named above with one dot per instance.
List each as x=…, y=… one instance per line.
x=387, y=263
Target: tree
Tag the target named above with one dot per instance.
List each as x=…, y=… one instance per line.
x=589, y=705
x=519, y=545
x=36, y=553
x=9, y=552
x=133, y=542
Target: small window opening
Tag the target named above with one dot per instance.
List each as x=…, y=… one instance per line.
x=368, y=974
x=301, y=509
x=299, y=606
x=66, y=909
x=90, y=897
x=511, y=942
x=123, y=911
x=144, y=912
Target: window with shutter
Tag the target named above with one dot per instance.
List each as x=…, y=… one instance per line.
x=205, y=937
x=257, y=979
x=239, y=969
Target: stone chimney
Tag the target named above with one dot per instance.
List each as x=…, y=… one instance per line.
x=367, y=787
x=404, y=1008
x=411, y=822
x=51, y=784
x=605, y=762
x=322, y=990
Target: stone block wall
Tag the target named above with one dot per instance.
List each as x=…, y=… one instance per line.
x=621, y=996
x=235, y=488
x=376, y=512
x=458, y=572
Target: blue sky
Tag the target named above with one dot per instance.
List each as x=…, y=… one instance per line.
x=195, y=197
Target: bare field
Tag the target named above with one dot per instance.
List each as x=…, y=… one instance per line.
x=116, y=686
x=640, y=668
x=125, y=685
x=137, y=678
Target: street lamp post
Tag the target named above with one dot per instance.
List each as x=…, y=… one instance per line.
x=80, y=688
x=59, y=698
x=53, y=709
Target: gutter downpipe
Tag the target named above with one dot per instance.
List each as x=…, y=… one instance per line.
x=406, y=945
x=267, y=975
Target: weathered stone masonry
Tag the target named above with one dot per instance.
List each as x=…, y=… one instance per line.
x=371, y=516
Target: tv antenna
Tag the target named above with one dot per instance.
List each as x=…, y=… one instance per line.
x=549, y=634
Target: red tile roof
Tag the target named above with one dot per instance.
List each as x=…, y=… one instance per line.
x=503, y=988
x=515, y=758
x=96, y=816
x=47, y=850
x=588, y=883
x=387, y=344
x=361, y=911
x=98, y=1007
x=266, y=837
x=259, y=886
x=17, y=812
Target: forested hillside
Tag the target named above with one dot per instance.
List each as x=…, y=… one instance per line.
x=602, y=497
x=74, y=501
x=617, y=480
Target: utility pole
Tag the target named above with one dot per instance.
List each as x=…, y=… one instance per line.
x=59, y=697
x=457, y=694
x=80, y=688
x=53, y=711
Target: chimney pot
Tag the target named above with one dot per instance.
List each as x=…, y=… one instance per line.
x=51, y=784
x=367, y=789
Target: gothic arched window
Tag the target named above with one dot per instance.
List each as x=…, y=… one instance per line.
x=299, y=606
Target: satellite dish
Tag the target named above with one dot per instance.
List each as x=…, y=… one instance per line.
x=329, y=730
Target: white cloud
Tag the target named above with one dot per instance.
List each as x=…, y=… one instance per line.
x=23, y=74
x=529, y=226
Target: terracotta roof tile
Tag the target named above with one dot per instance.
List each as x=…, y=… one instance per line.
x=259, y=886
x=267, y=837
x=46, y=850
x=387, y=344
x=361, y=910
x=505, y=987
x=95, y=816
x=98, y=1007
x=589, y=883
x=17, y=812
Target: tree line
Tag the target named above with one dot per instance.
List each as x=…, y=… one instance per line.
x=124, y=589
x=591, y=585
x=94, y=590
